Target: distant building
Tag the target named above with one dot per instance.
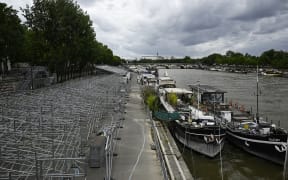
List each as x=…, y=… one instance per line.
x=153, y=57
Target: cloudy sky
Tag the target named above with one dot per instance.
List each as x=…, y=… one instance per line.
x=197, y=28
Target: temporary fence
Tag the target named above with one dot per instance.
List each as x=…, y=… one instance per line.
x=44, y=133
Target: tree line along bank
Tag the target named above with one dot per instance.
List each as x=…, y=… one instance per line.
x=57, y=34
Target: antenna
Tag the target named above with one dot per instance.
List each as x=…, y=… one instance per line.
x=257, y=95
x=198, y=95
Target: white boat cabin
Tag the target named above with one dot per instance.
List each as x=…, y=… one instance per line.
x=147, y=79
x=183, y=95
x=183, y=99
x=165, y=82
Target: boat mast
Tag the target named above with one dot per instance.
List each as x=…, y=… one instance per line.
x=257, y=95
x=198, y=95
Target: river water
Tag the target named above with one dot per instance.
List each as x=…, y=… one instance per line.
x=241, y=89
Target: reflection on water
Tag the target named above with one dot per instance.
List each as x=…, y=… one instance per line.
x=241, y=89
x=236, y=165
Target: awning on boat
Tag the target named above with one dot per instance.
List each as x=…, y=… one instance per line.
x=166, y=116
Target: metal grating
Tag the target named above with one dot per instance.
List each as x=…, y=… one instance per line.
x=44, y=133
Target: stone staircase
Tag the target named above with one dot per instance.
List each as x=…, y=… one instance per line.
x=7, y=86
x=20, y=79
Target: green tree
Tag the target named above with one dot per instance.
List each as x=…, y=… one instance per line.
x=267, y=57
x=273, y=58
x=65, y=38
x=187, y=59
x=172, y=99
x=152, y=102
x=11, y=35
x=117, y=60
x=212, y=59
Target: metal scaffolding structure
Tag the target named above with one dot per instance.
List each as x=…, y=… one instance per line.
x=44, y=133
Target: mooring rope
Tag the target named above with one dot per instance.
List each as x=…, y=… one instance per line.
x=183, y=149
x=221, y=164
x=285, y=162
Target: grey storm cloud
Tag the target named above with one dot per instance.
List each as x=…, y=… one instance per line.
x=104, y=24
x=132, y=28
x=256, y=9
x=273, y=24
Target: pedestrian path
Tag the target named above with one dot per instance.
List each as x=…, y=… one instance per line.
x=135, y=159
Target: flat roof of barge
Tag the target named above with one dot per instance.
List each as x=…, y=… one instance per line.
x=163, y=78
x=178, y=91
x=203, y=88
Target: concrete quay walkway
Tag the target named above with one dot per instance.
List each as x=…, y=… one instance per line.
x=135, y=158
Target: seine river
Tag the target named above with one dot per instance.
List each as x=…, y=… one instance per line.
x=241, y=89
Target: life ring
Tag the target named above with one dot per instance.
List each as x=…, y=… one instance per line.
x=210, y=138
x=205, y=139
x=282, y=148
x=219, y=141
